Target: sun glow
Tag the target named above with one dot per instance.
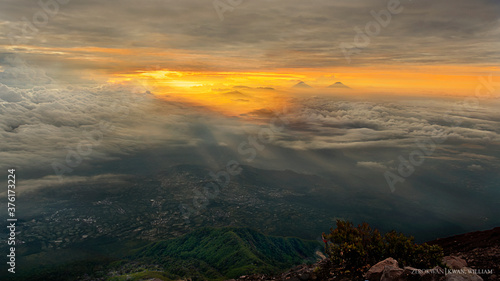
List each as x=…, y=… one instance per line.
x=240, y=93
x=231, y=93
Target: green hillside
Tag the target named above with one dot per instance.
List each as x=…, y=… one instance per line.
x=216, y=253
x=204, y=254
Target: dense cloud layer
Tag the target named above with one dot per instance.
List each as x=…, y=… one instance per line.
x=40, y=125
x=327, y=123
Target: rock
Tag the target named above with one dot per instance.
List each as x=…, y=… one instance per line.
x=391, y=273
x=463, y=276
x=434, y=274
x=454, y=262
x=304, y=276
x=410, y=274
x=376, y=271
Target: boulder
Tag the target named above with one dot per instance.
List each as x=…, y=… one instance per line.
x=305, y=276
x=434, y=274
x=454, y=262
x=463, y=276
x=376, y=271
x=391, y=273
x=410, y=274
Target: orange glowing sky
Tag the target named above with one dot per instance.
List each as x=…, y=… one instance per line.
x=240, y=92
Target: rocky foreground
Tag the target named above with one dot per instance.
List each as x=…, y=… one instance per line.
x=472, y=256
x=481, y=250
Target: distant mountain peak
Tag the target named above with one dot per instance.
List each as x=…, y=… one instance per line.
x=235, y=94
x=339, y=85
x=302, y=84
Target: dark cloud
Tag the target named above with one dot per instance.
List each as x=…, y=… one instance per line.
x=276, y=34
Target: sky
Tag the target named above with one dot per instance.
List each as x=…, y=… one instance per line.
x=88, y=83
x=434, y=46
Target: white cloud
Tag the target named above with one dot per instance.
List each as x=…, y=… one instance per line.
x=475, y=167
x=371, y=165
x=326, y=123
x=40, y=124
x=54, y=181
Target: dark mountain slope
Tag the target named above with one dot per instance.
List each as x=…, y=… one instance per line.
x=481, y=249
